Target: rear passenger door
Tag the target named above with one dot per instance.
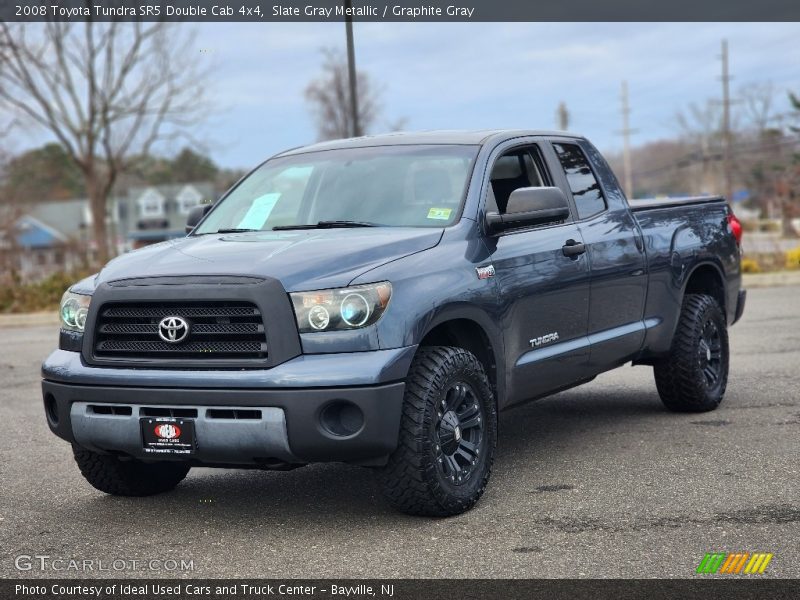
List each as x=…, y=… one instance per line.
x=544, y=295
x=616, y=255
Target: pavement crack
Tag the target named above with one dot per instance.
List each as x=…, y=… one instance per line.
x=766, y=514
x=553, y=488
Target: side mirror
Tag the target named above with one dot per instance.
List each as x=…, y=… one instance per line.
x=530, y=206
x=196, y=215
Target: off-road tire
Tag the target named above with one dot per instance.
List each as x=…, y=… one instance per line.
x=118, y=477
x=683, y=378
x=414, y=480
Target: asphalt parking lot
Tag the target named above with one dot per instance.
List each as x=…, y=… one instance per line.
x=599, y=481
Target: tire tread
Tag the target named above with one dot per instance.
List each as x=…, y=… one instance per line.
x=410, y=482
x=678, y=380
x=111, y=475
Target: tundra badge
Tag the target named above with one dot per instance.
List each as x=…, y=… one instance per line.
x=545, y=339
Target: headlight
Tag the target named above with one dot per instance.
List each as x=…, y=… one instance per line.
x=341, y=309
x=73, y=311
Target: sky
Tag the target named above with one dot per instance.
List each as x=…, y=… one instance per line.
x=478, y=75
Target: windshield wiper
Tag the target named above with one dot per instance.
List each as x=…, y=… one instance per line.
x=326, y=225
x=236, y=230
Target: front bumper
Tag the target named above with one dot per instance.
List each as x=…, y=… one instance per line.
x=291, y=416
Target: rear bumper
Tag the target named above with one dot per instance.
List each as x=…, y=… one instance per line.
x=355, y=418
x=740, y=302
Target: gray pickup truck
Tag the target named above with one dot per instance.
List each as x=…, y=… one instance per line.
x=377, y=301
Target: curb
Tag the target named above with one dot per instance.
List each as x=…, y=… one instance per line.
x=29, y=319
x=777, y=279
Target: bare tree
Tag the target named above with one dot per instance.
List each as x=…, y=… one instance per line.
x=10, y=212
x=106, y=91
x=329, y=98
x=700, y=127
x=758, y=102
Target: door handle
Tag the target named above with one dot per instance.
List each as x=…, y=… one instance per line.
x=573, y=249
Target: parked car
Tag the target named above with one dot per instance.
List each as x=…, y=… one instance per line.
x=377, y=301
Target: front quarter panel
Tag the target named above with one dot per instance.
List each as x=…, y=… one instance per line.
x=437, y=285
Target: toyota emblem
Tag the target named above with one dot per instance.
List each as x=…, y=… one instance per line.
x=173, y=329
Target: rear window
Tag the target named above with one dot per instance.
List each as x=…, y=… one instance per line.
x=586, y=191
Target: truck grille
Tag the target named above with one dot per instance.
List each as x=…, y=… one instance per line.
x=217, y=330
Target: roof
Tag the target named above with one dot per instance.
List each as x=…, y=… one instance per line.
x=173, y=190
x=459, y=137
x=32, y=233
x=69, y=217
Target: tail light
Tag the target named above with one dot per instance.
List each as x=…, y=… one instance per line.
x=735, y=227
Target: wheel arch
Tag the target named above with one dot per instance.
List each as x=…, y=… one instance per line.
x=470, y=329
x=706, y=278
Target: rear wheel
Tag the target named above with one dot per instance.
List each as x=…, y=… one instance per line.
x=119, y=477
x=447, y=438
x=694, y=375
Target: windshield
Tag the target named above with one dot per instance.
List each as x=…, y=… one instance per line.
x=398, y=186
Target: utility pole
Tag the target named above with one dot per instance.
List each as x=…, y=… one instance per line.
x=726, y=124
x=351, y=68
x=562, y=116
x=626, y=142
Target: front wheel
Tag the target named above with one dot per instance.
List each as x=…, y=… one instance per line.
x=119, y=477
x=448, y=434
x=694, y=375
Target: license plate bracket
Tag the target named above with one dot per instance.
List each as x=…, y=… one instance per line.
x=168, y=435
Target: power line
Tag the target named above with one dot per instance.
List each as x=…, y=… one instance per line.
x=692, y=158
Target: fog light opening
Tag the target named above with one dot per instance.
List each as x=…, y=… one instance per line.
x=51, y=409
x=342, y=418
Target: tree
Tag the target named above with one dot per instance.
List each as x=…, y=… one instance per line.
x=329, y=95
x=105, y=91
x=185, y=167
x=46, y=173
x=758, y=101
x=794, y=99
x=700, y=127
x=192, y=166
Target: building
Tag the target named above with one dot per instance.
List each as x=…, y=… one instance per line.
x=57, y=235
x=50, y=237
x=146, y=215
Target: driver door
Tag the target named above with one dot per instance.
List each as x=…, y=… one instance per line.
x=544, y=294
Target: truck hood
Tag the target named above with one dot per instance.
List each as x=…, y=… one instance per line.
x=301, y=260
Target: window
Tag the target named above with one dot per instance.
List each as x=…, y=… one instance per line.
x=151, y=204
x=585, y=190
x=517, y=169
x=393, y=186
x=187, y=199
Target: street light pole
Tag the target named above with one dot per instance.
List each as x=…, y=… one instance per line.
x=351, y=69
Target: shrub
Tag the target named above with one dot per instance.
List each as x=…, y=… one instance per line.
x=793, y=258
x=750, y=265
x=45, y=294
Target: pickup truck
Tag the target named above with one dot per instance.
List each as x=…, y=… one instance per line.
x=377, y=301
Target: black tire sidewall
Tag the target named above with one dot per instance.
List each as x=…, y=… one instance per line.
x=466, y=373
x=679, y=376
x=412, y=480
x=712, y=311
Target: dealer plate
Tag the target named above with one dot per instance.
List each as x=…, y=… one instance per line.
x=167, y=435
